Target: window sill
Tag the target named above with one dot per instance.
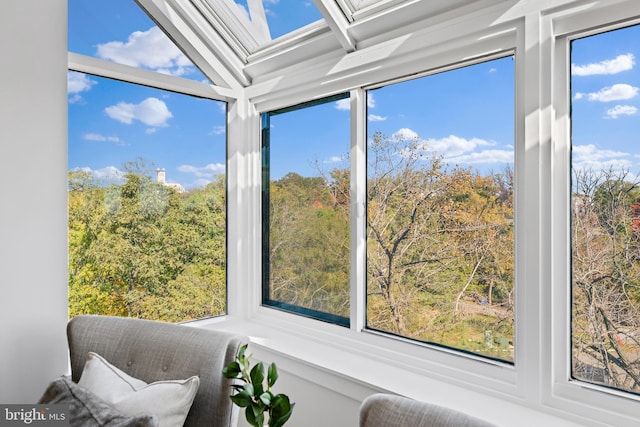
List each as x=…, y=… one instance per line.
x=332, y=356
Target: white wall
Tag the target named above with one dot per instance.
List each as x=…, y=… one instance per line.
x=315, y=405
x=33, y=159
x=322, y=398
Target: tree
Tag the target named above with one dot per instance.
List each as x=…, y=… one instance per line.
x=141, y=249
x=606, y=279
x=440, y=248
x=309, y=245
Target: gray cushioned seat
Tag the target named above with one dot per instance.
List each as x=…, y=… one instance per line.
x=155, y=351
x=386, y=410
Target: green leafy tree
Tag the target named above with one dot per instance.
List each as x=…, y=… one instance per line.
x=141, y=249
x=309, y=245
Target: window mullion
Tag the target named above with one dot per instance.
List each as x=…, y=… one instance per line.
x=358, y=208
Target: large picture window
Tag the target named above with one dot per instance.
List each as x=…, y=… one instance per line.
x=606, y=209
x=147, y=201
x=306, y=209
x=440, y=232
x=147, y=173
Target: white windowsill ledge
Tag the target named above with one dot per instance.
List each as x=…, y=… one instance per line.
x=330, y=364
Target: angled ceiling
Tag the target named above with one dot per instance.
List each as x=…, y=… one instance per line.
x=231, y=42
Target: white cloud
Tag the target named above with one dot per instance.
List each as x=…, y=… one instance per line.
x=343, y=104
x=334, y=159
x=110, y=174
x=101, y=138
x=591, y=157
x=151, y=112
x=610, y=66
x=76, y=84
x=208, y=171
x=375, y=118
x=405, y=134
x=458, y=150
x=218, y=130
x=621, y=110
x=616, y=92
x=74, y=99
x=147, y=49
x=371, y=102
x=486, y=156
x=452, y=146
x=590, y=152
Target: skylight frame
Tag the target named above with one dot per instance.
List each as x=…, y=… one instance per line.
x=235, y=27
x=363, y=8
x=247, y=34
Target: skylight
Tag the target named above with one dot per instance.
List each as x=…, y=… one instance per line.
x=119, y=31
x=283, y=16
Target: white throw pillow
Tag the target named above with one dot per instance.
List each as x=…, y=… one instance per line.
x=168, y=400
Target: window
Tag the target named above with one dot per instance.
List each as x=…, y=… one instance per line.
x=147, y=210
x=283, y=18
x=147, y=173
x=440, y=234
x=606, y=209
x=306, y=209
x=119, y=31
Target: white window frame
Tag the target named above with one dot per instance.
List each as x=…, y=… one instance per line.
x=134, y=75
x=540, y=378
x=367, y=346
x=361, y=314
x=592, y=401
x=128, y=74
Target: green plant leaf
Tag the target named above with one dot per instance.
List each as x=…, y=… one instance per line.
x=256, y=420
x=258, y=408
x=257, y=374
x=251, y=393
x=245, y=364
x=248, y=388
x=272, y=375
x=241, y=352
x=242, y=399
x=281, y=410
x=232, y=370
x=266, y=398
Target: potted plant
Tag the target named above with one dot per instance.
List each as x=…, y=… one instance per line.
x=253, y=391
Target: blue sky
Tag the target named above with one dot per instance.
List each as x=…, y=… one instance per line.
x=284, y=16
x=465, y=114
x=111, y=123
x=447, y=114
x=605, y=103
x=444, y=113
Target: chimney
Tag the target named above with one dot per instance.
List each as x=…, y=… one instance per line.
x=160, y=176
